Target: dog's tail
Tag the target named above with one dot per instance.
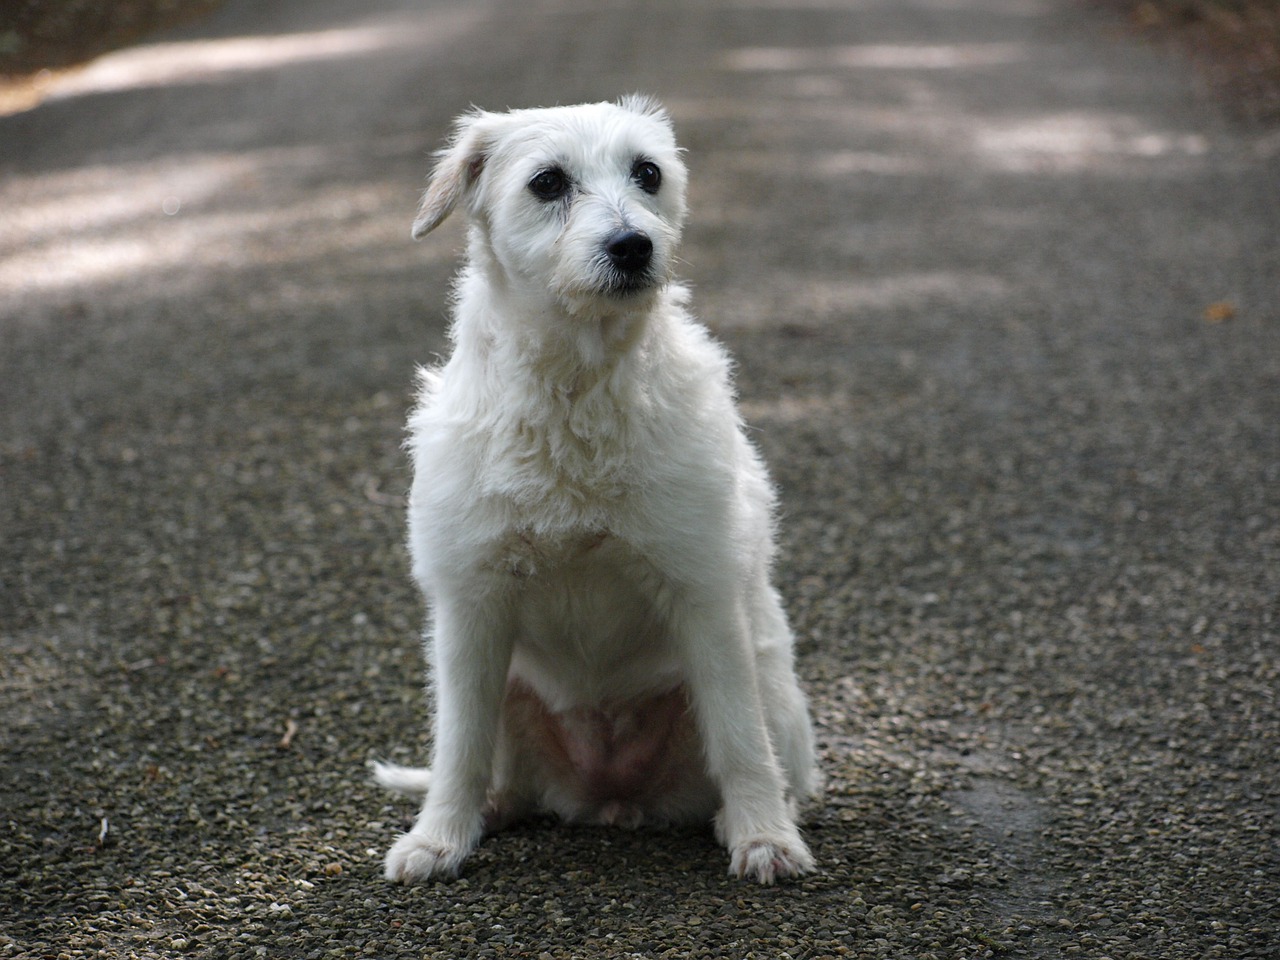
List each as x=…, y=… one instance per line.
x=410, y=781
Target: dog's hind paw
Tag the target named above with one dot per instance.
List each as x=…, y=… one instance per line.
x=418, y=857
x=765, y=861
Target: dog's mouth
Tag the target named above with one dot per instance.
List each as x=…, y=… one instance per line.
x=622, y=286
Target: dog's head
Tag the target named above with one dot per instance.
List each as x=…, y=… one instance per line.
x=585, y=202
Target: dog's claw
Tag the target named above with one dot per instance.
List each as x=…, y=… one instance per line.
x=765, y=861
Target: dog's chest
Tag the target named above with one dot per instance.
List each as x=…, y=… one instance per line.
x=527, y=554
x=567, y=463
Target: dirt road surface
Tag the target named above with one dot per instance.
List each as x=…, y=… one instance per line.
x=1003, y=291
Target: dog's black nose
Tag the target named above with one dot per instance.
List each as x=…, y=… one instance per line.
x=629, y=250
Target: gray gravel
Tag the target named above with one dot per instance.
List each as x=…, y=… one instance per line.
x=1003, y=290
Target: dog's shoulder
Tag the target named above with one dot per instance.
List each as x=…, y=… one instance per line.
x=692, y=364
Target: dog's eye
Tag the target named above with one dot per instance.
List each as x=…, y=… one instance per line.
x=550, y=184
x=647, y=175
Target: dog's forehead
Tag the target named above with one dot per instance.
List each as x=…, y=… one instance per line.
x=597, y=134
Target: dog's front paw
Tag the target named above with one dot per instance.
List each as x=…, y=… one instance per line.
x=765, y=860
x=417, y=856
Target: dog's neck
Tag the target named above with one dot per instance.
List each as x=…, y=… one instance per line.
x=571, y=346
x=558, y=393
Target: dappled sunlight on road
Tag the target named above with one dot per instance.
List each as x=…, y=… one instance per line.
x=1080, y=141
x=178, y=218
x=182, y=224
x=875, y=57
x=103, y=197
x=822, y=301
x=915, y=95
x=902, y=177
x=851, y=112
x=203, y=61
x=220, y=191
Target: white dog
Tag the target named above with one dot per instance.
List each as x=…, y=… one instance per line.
x=588, y=521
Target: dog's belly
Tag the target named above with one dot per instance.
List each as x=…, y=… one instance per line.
x=617, y=762
x=595, y=701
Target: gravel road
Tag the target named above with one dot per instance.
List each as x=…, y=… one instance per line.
x=1003, y=290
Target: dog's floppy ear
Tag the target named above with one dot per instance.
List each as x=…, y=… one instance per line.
x=456, y=171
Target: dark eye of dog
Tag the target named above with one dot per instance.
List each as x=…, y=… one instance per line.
x=647, y=175
x=549, y=184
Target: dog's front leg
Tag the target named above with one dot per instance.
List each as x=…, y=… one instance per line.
x=472, y=644
x=754, y=821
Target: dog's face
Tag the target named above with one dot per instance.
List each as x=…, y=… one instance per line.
x=585, y=203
